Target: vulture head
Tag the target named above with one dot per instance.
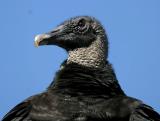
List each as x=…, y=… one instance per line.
x=84, y=39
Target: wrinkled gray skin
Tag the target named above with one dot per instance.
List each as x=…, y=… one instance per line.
x=84, y=38
x=86, y=87
x=95, y=54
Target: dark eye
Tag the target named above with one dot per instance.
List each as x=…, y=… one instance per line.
x=81, y=23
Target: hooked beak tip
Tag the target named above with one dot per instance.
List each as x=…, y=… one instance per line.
x=36, y=44
x=40, y=38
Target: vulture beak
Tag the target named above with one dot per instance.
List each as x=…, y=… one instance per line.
x=39, y=39
x=49, y=38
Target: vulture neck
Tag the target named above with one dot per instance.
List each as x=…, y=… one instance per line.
x=92, y=56
x=87, y=72
x=77, y=80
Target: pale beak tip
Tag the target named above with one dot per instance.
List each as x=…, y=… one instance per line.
x=36, y=40
x=40, y=38
x=36, y=44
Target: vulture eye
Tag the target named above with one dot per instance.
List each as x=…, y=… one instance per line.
x=81, y=27
x=81, y=23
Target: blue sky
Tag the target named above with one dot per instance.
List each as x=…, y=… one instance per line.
x=133, y=28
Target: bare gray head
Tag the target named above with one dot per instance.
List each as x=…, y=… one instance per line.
x=84, y=39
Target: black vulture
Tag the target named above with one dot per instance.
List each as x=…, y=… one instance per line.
x=85, y=88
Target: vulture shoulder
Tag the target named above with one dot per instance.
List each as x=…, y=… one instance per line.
x=20, y=112
x=124, y=108
x=29, y=109
x=144, y=113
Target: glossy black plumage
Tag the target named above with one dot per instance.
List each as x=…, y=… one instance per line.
x=82, y=94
